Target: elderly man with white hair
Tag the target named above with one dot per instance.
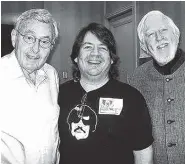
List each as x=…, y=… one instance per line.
x=162, y=83
x=30, y=111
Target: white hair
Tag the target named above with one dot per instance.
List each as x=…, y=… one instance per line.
x=40, y=15
x=142, y=25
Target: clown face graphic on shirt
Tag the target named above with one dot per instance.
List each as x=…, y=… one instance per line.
x=82, y=120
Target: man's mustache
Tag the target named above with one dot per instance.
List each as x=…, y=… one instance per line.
x=79, y=127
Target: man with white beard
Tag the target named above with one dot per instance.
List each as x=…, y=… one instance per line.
x=162, y=83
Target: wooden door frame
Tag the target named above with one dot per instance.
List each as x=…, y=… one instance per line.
x=131, y=18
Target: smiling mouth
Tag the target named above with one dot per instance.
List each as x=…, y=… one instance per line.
x=79, y=131
x=161, y=46
x=94, y=62
x=32, y=57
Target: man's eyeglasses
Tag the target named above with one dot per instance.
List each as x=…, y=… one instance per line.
x=30, y=39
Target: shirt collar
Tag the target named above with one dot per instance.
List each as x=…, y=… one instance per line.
x=173, y=65
x=41, y=75
x=17, y=70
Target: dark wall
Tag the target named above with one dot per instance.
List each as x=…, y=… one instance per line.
x=10, y=10
x=6, y=44
x=112, y=6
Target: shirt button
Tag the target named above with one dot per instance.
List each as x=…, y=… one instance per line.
x=168, y=79
x=170, y=121
x=171, y=144
x=169, y=100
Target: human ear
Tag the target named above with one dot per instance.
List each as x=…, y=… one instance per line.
x=13, y=37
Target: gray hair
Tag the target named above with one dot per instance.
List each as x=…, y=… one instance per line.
x=40, y=15
x=142, y=25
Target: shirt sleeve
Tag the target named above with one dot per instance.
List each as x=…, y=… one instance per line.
x=54, y=82
x=140, y=124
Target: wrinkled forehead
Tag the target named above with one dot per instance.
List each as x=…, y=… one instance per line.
x=36, y=27
x=155, y=22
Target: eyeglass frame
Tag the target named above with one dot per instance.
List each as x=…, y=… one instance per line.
x=23, y=35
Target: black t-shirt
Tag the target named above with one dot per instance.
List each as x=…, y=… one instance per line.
x=102, y=126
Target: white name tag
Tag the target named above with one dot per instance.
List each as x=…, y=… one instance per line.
x=110, y=106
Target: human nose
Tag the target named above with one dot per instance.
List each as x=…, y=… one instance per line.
x=158, y=36
x=36, y=45
x=95, y=51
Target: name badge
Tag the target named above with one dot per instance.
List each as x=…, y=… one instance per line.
x=110, y=106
